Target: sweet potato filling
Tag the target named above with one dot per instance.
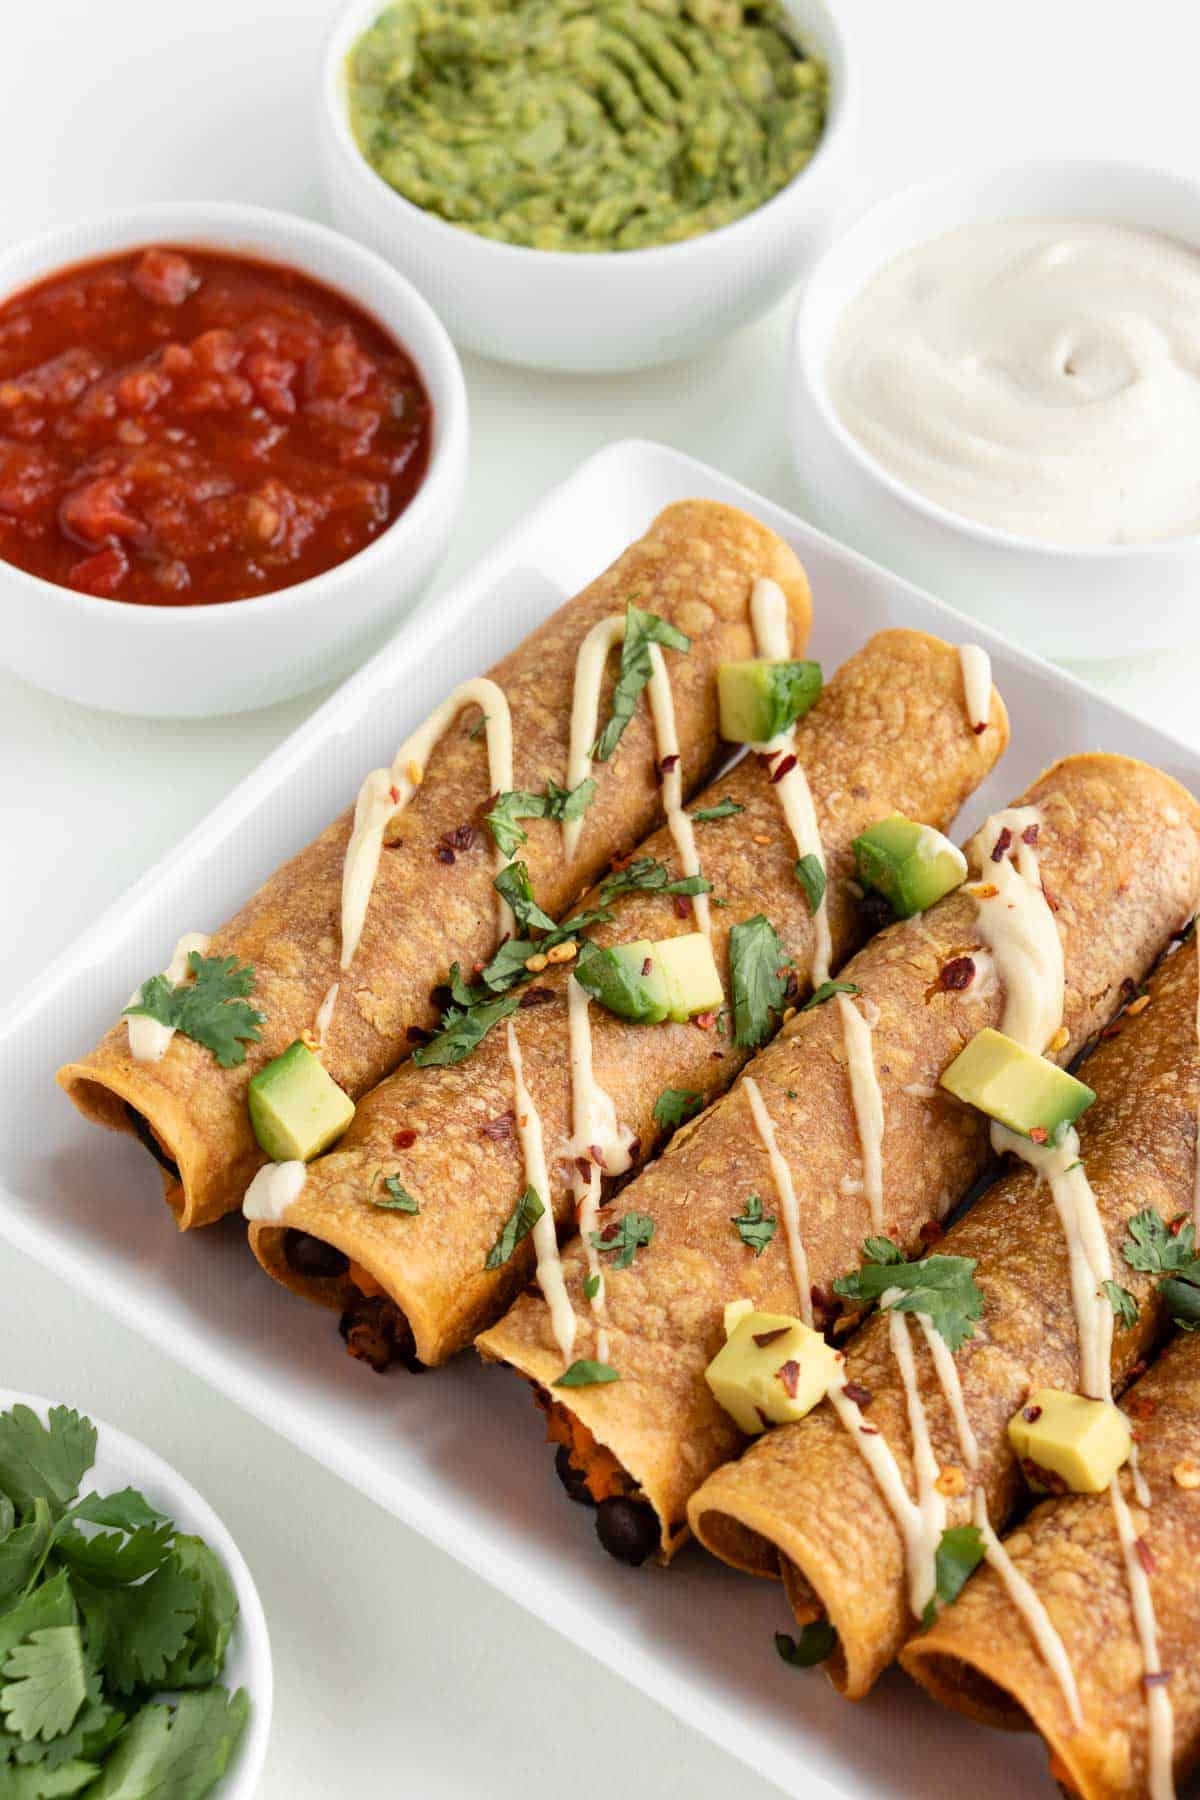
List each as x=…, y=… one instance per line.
x=598, y=1468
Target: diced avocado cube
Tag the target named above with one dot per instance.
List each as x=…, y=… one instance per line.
x=627, y=979
x=911, y=865
x=1067, y=1440
x=690, y=972
x=1008, y=1082
x=759, y=699
x=773, y=1369
x=297, y=1109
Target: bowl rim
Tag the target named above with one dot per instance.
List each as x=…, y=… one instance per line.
x=815, y=378
x=286, y=238
x=240, y=1781
x=841, y=113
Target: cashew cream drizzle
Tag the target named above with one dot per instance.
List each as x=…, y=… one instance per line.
x=917, y=1524
x=1018, y=926
x=772, y=637
x=545, y=1237
x=781, y=1175
x=868, y=1102
x=149, y=1040
x=977, y=685
x=585, y=719
x=1161, y=1716
x=324, y=1016
x=1038, y=1622
x=594, y=1126
x=386, y=792
x=273, y=1190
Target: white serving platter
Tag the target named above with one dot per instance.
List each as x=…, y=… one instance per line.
x=459, y=1455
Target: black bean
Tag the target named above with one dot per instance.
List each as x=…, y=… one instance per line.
x=311, y=1257
x=147, y=1137
x=575, y=1483
x=628, y=1529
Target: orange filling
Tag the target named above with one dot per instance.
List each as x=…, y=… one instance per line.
x=366, y=1284
x=602, y=1473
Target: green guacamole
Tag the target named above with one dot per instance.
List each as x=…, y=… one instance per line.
x=586, y=124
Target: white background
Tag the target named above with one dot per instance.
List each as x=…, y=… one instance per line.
x=396, y=1672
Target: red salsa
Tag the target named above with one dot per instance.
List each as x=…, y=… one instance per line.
x=180, y=426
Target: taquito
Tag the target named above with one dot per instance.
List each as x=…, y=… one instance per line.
x=889, y=733
x=1119, y=850
x=803, y=1500
x=1118, y=1583
x=431, y=899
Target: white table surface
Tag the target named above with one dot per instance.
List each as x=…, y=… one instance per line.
x=396, y=1672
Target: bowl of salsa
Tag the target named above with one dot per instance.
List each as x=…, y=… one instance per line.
x=232, y=447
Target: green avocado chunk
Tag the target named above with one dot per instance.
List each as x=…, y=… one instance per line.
x=690, y=971
x=627, y=979
x=911, y=865
x=297, y=1109
x=759, y=699
x=1008, y=1082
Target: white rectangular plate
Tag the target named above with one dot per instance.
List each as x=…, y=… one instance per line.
x=459, y=1455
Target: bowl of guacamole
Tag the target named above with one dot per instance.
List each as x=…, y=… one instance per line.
x=512, y=156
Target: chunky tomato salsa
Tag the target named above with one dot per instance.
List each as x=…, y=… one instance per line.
x=179, y=427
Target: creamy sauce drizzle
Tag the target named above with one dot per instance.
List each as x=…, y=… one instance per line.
x=273, y=1190
x=781, y=1175
x=868, y=1102
x=545, y=1238
x=1160, y=1713
x=324, y=1016
x=1019, y=929
x=1050, y=1645
x=977, y=685
x=911, y=1522
x=594, y=1125
x=386, y=792
x=149, y=1040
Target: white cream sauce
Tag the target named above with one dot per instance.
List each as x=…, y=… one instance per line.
x=1041, y=376
x=1160, y=1712
x=545, y=1238
x=1038, y=1621
x=781, y=1175
x=976, y=667
x=594, y=1126
x=324, y=1018
x=273, y=1190
x=912, y=1522
x=149, y=1040
x=1018, y=927
x=868, y=1103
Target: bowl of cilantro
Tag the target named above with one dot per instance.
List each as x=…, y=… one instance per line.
x=134, y=1655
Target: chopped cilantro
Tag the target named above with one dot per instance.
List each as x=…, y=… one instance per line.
x=1153, y=1248
x=941, y=1287
x=514, y=885
x=519, y=1223
x=826, y=991
x=814, y=1645
x=556, y=803
x=646, y=875
x=45, y=1683
x=959, y=1554
x=758, y=965
x=585, y=1373
x=754, y=1230
x=810, y=873
x=641, y=630
x=724, y=809
x=634, y=1231
x=396, y=1197
x=211, y=1009
x=592, y=1286
x=1125, y=1307
x=462, y=1030
x=674, y=1105
x=479, y=726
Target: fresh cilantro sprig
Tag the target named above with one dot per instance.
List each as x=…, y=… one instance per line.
x=641, y=630
x=959, y=1554
x=519, y=1223
x=753, y=1227
x=463, y=1029
x=816, y=1644
x=810, y=873
x=724, y=809
x=518, y=803
x=1155, y=1248
x=941, y=1287
x=586, y=1373
x=1125, y=1307
x=646, y=875
x=394, y=1196
x=758, y=970
x=674, y=1105
x=104, y=1605
x=826, y=991
x=211, y=1009
x=625, y=1239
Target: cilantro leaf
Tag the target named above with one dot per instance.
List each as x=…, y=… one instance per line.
x=180, y=1751
x=941, y=1287
x=626, y=1239
x=758, y=964
x=755, y=1230
x=881, y=1250
x=1125, y=1307
x=592, y=1286
x=1182, y=1298
x=45, y=1683
x=398, y=1198
x=641, y=630
x=211, y=1009
x=48, y=1461
x=520, y=1222
x=23, y=1551
x=826, y=991
x=585, y=1373
x=126, y=1510
x=112, y=1558
x=50, y=1604
x=203, y=1656
x=556, y=803
x=647, y=875
x=810, y=873
x=8, y=1516
x=514, y=885
x=1154, y=1249
x=135, y=1632
x=40, y=1784
x=674, y=1105
x=959, y=1554
x=724, y=809
x=463, y=1029
x=814, y=1645
x=462, y=993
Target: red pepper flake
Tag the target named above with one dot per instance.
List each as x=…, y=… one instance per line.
x=620, y=863
x=1032, y=1414
x=1176, y=1225
x=597, y=1156
x=647, y=964
x=980, y=728
x=665, y=766
x=394, y=795
x=445, y=854
x=861, y=1396
x=956, y=975
x=790, y=1377
x=783, y=768
x=1048, y=897
x=610, y=1232
x=1145, y=1555
x=705, y=1021
x=461, y=838
x=416, y=1034
x=1111, y=1031
x=683, y=905
x=404, y=1140
x=1039, y=1134
x=869, y=1430
x=1002, y=844
x=931, y=1231
x=584, y=1165
x=1157, y=1678
x=500, y=1128
x=1030, y=835
x=536, y=996
x=763, y=1338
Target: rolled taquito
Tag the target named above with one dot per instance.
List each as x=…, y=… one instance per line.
x=1119, y=850
x=803, y=1500
x=431, y=898
x=889, y=733
x=1118, y=1584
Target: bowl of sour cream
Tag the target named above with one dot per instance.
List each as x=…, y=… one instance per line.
x=996, y=390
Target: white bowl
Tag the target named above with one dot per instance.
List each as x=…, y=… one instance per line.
x=122, y=1462
x=592, y=313
x=1065, y=601
x=160, y=661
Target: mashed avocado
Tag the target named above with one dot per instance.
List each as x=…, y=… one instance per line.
x=586, y=124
